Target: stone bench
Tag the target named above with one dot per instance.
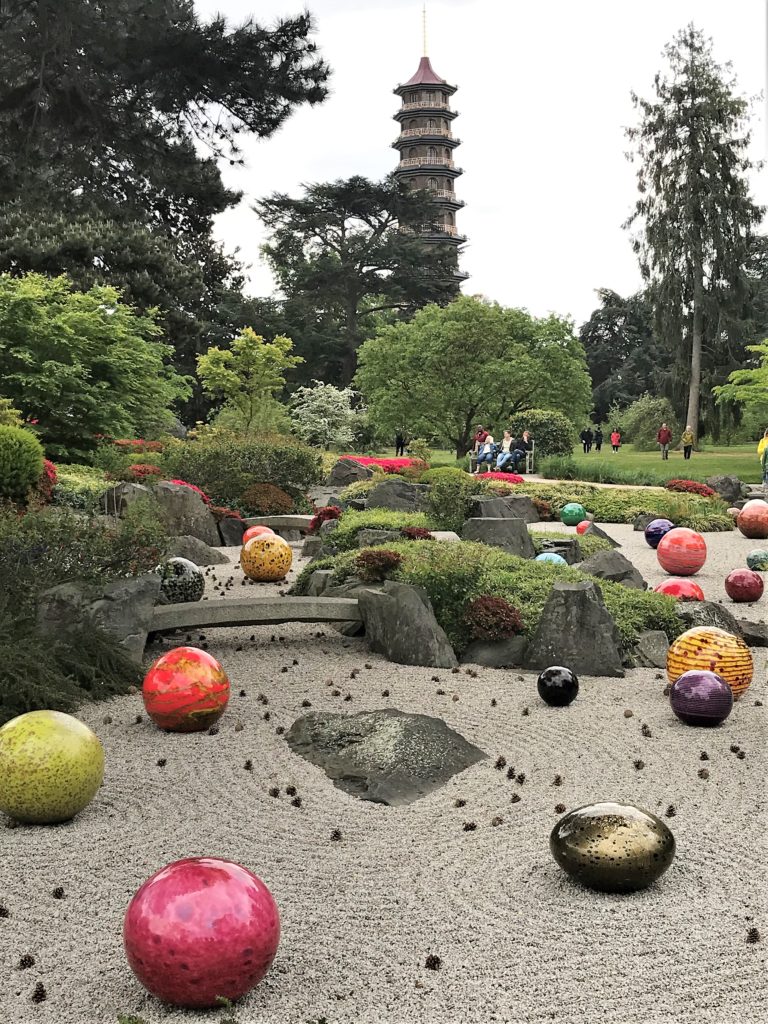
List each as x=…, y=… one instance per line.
x=253, y=611
x=290, y=528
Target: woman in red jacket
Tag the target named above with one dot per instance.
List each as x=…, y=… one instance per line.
x=664, y=437
x=615, y=439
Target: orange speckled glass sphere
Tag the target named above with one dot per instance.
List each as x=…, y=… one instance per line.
x=257, y=531
x=752, y=521
x=186, y=690
x=713, y=650
x=681, y=552
x=266, y=558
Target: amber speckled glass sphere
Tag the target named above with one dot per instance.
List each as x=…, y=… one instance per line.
x=264, y=559
x=713, y=650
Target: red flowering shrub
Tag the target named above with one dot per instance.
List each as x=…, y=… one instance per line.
x=403, y=467
x=266, y=500
x=510, y=478
x=322, y=516
x=48, y=480
x=220, y=512
x=690, y=487
x=416, y=533
x=377, y=564
x=140, y=471
x=183, y=483
x=492, y=618
x=128, y=444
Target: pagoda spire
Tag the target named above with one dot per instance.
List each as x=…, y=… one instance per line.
x=424, y=28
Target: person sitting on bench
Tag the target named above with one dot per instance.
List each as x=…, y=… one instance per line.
x=506, y=452
x=485, y=453
x=522, y=446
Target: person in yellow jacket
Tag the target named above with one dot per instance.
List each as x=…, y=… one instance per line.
x=762, y=444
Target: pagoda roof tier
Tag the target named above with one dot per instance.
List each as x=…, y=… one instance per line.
x=425, y=75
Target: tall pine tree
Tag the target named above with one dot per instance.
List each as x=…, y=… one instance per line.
x=694, y=212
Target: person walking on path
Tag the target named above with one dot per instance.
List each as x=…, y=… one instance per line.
x=598, y=439
x=586, y=437
x=399, y=444
x=663, y=438
x=615, y=439
x=687, y=440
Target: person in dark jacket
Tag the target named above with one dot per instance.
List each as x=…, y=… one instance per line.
x=664, y=437
x=586, y=437
x=399, y=443
x=598, y=439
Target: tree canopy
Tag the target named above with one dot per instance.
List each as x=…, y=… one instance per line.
x=82, y=364
x=340, y=257
x=694, y=211
x=471, y=362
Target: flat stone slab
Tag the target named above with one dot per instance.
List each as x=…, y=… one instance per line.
x=447, y=536
x=281, y=523
x=254, y=611
x=389, y=756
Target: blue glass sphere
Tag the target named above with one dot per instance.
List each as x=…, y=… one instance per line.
x=657, y=529
x=552, y=557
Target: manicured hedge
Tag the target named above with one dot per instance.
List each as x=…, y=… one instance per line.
x=352, y=522
x=454, y=574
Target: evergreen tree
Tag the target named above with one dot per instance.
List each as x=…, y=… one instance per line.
x=340, y=258
x=695, y=213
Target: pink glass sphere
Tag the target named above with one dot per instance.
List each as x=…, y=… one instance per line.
x=744, y=585
x=681, y=552
x=199, y=929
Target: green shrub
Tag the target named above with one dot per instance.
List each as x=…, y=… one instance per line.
x=224, y=465
x=79, y=487
x=640, y=421
x=553, y=432
x=361, y=488
x=599, y=471
x=265, y=500
x=9, y=416
x=454, y=574
x=448, y=500
x=589, y=545
x=21, y=462
x=352, y=522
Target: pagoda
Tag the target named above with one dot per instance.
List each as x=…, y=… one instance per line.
x=426, y=145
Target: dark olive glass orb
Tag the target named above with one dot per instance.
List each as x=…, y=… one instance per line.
x=612, y=847
x=557, y=686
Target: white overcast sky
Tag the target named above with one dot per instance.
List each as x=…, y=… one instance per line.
x=544, y=96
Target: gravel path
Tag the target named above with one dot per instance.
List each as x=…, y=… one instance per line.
x=519, y=942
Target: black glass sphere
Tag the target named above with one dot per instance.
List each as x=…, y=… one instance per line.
x=557, y=686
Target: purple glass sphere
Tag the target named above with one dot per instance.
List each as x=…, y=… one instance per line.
x=657, y=529
x=701, y=698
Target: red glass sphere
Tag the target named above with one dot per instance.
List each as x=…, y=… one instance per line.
x=681, y=552
x=200, y=929
x=257, y=531
x=186, y=690
x=744, y=585
x=753, y=520
x=583, y=526
x=681, y=590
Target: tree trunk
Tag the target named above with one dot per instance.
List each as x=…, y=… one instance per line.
x=349, y=361
x=694, y=388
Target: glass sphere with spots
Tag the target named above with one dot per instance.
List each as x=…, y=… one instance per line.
x=264, y=559
x=181, y=581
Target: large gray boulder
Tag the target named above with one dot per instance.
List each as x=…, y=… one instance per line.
x=312, y=547
x=640, y=522
x=510, y=534
x=594, y=531
x=121, y=608
x=322, y=496
x=194, y=550
x=730, y=488
x=185, y=513
x=398, y=495
x=319, y=582
x=507, y=507
x=613, y=566
x=346, y=472
x=576, y=630
x=400, y=623
x=511, y=506
x=707, y=613
x=117, y=499
x=567, y=547
x=374, y=538
x=755, y=633
x=496, y=653
x=389, y=756
x=231, y=531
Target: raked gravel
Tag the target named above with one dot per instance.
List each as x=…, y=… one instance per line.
x=518, y=941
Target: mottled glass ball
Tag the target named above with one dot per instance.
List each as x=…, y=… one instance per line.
x=744, y=586
x=265, y=558
x=180, y=581
x=185, y=690
x=657, y=529
x=681, y=552
x=752, y=521
x=757, y=559
x=612, y=847
x=200, y=930
x=681, y=590
x=552, y=557
x=573, y=513
x=557, y=686
x=257, y=531
x=583, y=526
x=700, y=697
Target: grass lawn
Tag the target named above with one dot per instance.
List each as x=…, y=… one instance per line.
x=738, y=460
